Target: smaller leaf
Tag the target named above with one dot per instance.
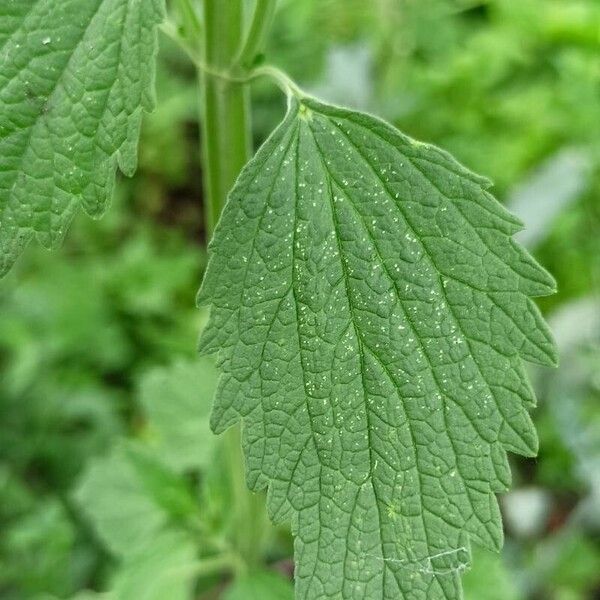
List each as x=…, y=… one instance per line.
x=129, y=499
x=177, y=402
x=260, y=585
x=165, y=569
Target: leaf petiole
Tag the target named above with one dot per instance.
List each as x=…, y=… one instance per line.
x=282, y=79
x=190, y=20
x=262, y=19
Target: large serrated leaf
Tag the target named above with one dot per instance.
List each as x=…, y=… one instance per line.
x=372, y=312
x=75, y=76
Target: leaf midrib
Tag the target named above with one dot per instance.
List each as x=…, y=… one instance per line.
x=361, y=346
x=359, y=342
x=457, y=322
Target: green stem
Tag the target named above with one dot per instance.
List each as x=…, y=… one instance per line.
x=285, y=83
x=264, y=11
x=189, y=20
x=215, y=565
x=226, y=115
x=170, y=29
x=226, y=149
x=249, y=522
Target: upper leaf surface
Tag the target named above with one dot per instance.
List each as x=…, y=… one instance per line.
x=372, y=313
x=75, y=76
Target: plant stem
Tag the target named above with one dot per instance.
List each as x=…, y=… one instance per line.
x=189, y=20
x=226, y=149
x=226, y=118
x=264, y=12
x=216, y=565
x=250, y=527
x=285, y=83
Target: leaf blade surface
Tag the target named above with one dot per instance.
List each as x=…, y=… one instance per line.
x=75, y=77
x=372, y=314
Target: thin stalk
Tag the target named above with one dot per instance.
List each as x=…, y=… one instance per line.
x=170, y=29
x=250, y=527
x=226, y=115
x=226, y=149
x=264, y=11
x=216, y=565
x=285, y=83
x=189, y=20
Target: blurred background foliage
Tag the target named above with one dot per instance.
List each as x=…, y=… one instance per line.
x=111, y=485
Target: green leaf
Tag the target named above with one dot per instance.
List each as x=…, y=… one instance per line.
x=260, y=585
x=177, y=403
x=163, y=569
x=130, y=499
x=75, y=77
x=372, y=313
x=37, y=551
x=490, y=579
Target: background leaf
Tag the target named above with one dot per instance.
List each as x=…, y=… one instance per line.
x=260, y=585
x=162, y=569
x=75, y=76
x=177, y=421
x=130, y=499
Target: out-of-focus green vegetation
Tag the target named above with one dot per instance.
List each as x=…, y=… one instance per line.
x=112, y=486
